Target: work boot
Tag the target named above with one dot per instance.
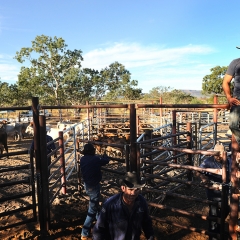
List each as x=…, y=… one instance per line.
x=84, y=238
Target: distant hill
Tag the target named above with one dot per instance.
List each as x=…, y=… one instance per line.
x=195, y=93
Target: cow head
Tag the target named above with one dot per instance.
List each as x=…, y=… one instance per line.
x=29, y=130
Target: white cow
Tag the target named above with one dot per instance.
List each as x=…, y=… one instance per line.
x=53, y=132
x=78, y=127
x=65, y=125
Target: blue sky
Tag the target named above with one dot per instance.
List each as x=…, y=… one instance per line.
x=171, y=43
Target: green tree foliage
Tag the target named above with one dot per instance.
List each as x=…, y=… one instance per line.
x=178, y=96
x=8, y=94
x=54, y=74
x=169, y=95
x=118, y=84
x=4, y=92
x=212, y=83
x=79, y=88
x=51, y=64
x=157, y=92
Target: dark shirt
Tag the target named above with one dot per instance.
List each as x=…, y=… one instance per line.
x=234, y=71
x=50, y=147
x=115, y=222
x=210, y=162
x=91, y=168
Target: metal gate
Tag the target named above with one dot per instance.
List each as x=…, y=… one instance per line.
x=20, y=189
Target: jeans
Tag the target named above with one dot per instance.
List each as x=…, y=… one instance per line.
x=93, y=208
x=234, y=122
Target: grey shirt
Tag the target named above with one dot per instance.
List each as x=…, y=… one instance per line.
x=234, y=71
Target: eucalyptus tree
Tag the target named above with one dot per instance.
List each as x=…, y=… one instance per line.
x=80, y=87
x=4, y=94
x=169, y=95
x=212, y=83
x=157, y=92
x=49, y=66
x=116, y=83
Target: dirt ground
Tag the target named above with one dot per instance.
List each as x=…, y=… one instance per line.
x=69, y=211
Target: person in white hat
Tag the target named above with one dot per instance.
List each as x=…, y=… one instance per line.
x=214, y=164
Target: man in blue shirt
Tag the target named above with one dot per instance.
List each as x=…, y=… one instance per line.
x=50, y=147
x=90, y=165
x=125, y=215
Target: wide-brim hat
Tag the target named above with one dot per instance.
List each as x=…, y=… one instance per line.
x=88, y=149
x=131, y=180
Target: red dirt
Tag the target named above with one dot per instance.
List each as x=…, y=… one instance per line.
x=69, y=211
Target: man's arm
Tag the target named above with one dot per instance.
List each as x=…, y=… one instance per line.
x=226, y=88
x=147, y=224
x=104, y=159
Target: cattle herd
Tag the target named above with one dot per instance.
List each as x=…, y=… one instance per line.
x=19, y=130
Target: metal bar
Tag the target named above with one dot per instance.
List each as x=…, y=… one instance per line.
x=22, y=209
x=9, y=169
x=82, y=106
x=17, y=224
x=224, y=106
x=15, y=197
x=13, y=154
x=134, y=162
x=62, y=163
x=164, y=137
x=203, y=152
x=183, y=212
x=193, y=229
x=33, y=186
x=44, y=174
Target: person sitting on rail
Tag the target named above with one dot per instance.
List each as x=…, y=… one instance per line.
x=215, y=179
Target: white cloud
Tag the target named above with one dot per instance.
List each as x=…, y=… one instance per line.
x=182, y=67
x=9, y=70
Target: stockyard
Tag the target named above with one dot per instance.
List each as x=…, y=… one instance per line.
x=163, y=143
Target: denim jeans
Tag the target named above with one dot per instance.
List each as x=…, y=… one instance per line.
x=234, y=122
x=93, y=208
